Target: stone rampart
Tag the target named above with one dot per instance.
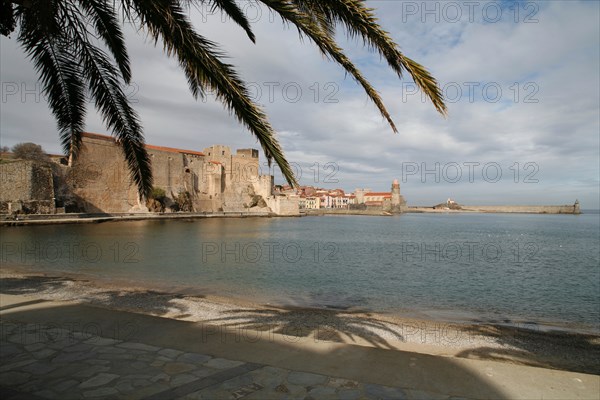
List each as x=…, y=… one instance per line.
x=25, y=180
x=98, y=181
x=26, y=187
x=214, y=180
x=284, y=205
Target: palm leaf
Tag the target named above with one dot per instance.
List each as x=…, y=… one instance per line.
x=426, y=82
x=104, y=86
x=200, y=61
x=231, y=8
x=327, y=45
x=360, y=21
x=106, y=24
x=59, y=74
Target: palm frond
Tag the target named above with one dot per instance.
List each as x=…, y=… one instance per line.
x=360, y=21
x=60, y=75
x=199, y=59
x=327, y=45
x=104, y=86
x=8, y=21
x=319, y=14
x=106, y=25
x=426, y=82
x=234, y=11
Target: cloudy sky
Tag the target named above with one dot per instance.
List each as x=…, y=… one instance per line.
x=521, y=82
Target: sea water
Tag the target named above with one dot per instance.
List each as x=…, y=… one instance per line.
x=542, y=269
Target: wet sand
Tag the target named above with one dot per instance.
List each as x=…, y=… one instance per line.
x=541, y=347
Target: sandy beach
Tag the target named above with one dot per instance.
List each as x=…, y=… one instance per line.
x=577, y=352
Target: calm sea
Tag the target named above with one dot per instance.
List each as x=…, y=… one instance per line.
x=541, y=269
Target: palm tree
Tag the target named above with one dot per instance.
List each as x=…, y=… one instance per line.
x=55, y=35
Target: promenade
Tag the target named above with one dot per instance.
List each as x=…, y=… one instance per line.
x=65, y=350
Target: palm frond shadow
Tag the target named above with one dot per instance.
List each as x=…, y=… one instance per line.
x=151, y=301
x=321, y=325
x=533, y=346
x=31, y=285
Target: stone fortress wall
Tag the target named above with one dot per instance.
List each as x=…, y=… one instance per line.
x=215, y=179
x=99, y=179
x=26, y=186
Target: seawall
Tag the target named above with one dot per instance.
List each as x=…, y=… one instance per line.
x=563, y=209
x=83, y=218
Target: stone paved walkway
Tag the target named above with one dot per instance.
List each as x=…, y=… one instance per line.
x=39, y=361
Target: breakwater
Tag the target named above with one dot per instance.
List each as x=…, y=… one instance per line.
x=564, y=209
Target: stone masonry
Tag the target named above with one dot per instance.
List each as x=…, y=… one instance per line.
x=26, y=186
x=215, y=179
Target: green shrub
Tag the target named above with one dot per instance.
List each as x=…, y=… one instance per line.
x=158, y=194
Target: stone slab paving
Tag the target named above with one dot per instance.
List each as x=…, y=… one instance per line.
x=43, y=362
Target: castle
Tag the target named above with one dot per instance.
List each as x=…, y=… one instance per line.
x=98, y=181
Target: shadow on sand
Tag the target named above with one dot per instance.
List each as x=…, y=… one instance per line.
x=359, y=363
x=146, y=301
x=526, y=346
x=533, y=346
x=322, y=325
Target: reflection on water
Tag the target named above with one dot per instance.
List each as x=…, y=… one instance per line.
x=494, y=266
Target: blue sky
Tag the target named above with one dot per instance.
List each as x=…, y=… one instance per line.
x=521, y=79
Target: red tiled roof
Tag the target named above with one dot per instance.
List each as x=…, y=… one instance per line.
x=148, y=146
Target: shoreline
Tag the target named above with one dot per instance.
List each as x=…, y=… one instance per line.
x=75, y=218
x=451, y=317
x=548, y=348
x=56, y=219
